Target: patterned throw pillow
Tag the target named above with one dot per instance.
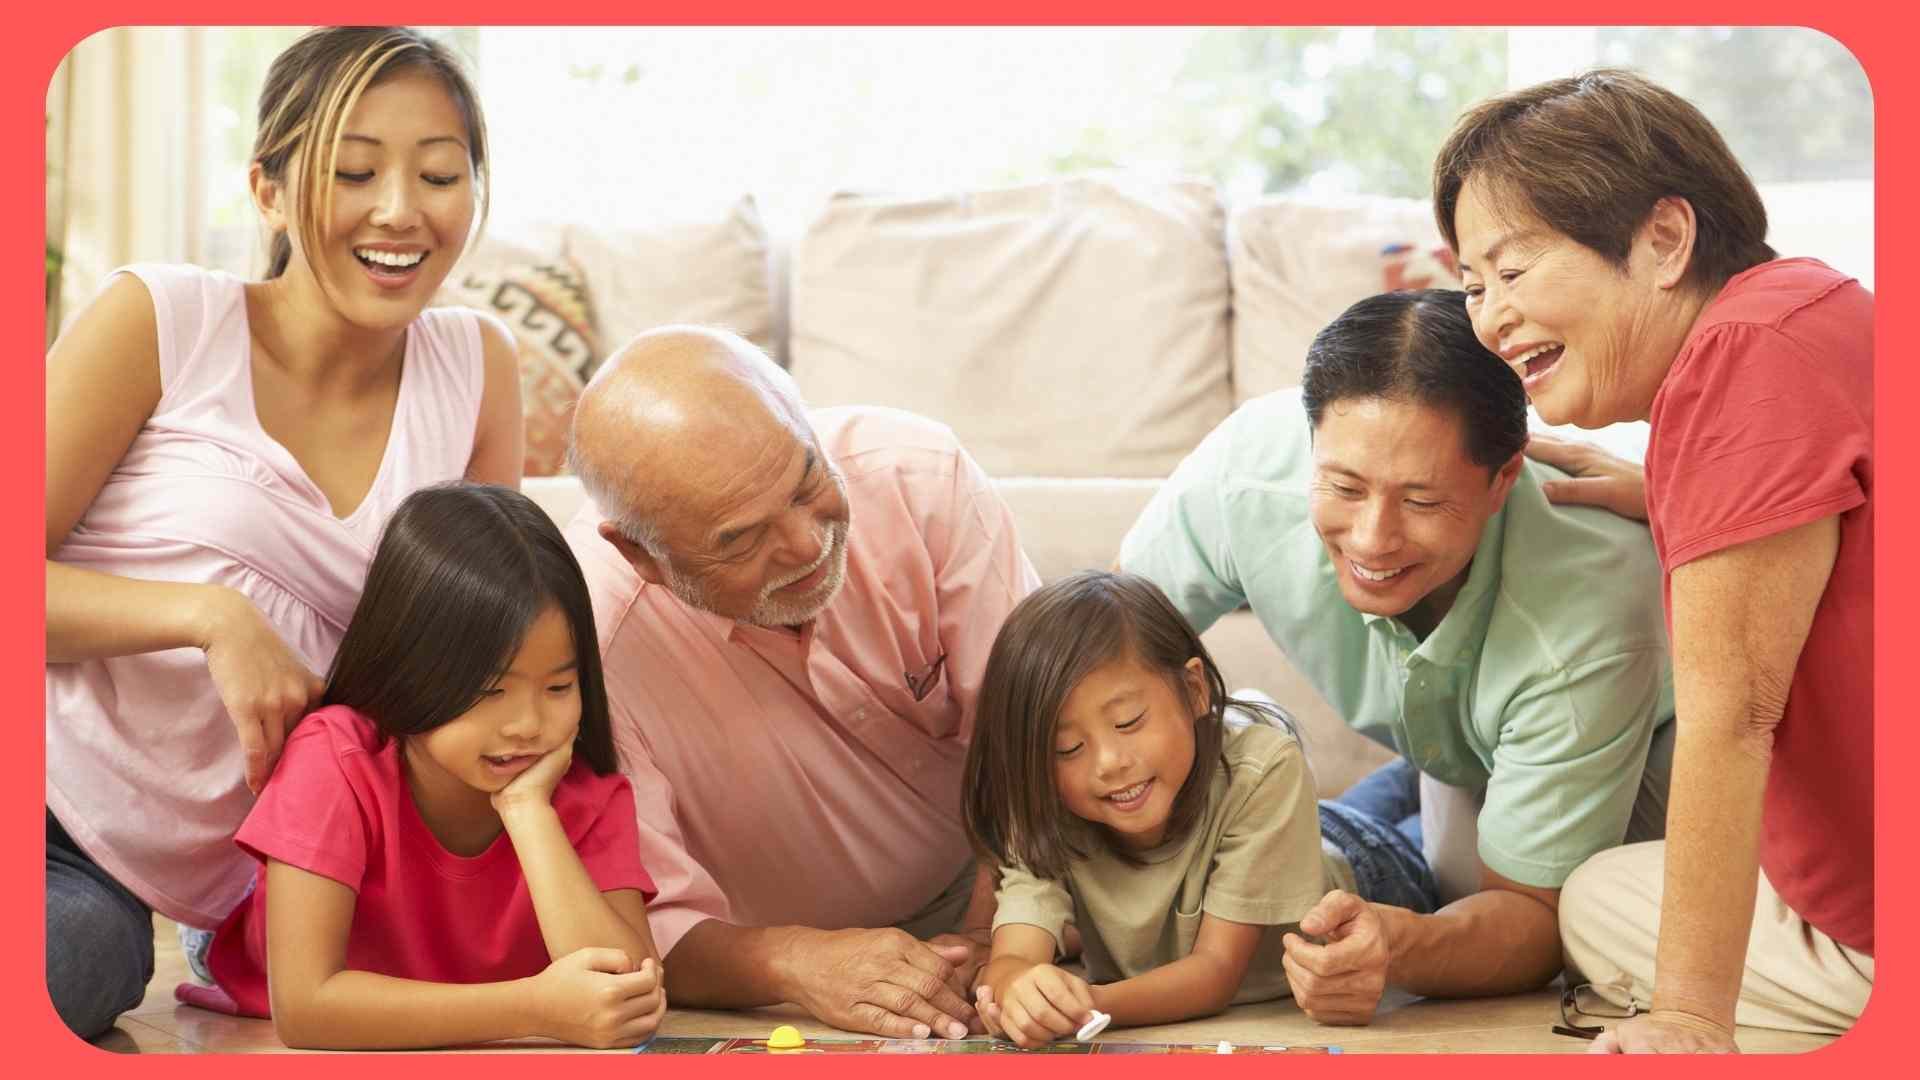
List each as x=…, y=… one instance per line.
x=547, y=307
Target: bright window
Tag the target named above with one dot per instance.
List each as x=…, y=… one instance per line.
x=616, y=125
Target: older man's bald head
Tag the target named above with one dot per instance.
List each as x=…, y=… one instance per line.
x=670, y=409
x=698, y=453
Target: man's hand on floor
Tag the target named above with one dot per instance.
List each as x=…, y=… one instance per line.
x=1341, y=981
x=883, y=982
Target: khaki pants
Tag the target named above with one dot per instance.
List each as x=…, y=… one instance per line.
x=1797, y=978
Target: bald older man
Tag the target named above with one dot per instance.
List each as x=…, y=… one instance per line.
x=795, y=610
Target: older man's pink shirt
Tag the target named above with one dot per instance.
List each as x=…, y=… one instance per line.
x=799, y=778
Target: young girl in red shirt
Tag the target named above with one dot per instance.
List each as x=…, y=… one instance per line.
x=448, y=852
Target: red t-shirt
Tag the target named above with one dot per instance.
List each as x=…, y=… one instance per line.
x=1764, y=424
x=338, y=805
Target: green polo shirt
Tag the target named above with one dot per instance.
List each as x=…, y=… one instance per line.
x=1542, y=686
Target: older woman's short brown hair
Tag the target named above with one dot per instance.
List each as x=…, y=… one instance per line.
x=1589, y=156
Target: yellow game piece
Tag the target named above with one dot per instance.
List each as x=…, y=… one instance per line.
x=785, y=1037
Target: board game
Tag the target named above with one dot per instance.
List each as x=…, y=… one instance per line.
x=721, y=1045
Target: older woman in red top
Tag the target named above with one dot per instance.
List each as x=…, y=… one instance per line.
x=1614, y=253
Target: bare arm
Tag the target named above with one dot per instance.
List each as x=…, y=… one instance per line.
x=1201, y=983
x=1504, y=939
x=499, y=439
x=1016, y=948
x=573, y=913
x=318, y=1003
x=103, y=383
x=1740, y=619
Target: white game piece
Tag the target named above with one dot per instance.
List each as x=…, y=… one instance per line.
x=1094, y=1026
x=1225, y=1047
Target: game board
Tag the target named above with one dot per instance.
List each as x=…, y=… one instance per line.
x=720, y=1045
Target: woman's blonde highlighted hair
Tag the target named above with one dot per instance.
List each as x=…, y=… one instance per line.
x=310, y=91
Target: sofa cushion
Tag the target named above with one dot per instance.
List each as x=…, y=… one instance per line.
x=547, y=307
x=709, y=269
x=1071, y=328
x=1297, y=264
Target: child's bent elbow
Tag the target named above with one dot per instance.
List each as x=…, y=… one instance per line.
x=298, y=1034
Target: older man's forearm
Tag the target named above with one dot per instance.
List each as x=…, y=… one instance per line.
x=1493, y=942
x=717, y=965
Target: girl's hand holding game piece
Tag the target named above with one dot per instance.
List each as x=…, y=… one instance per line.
x=1042, y=1003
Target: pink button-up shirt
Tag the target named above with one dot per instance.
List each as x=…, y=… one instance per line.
x=813, y=778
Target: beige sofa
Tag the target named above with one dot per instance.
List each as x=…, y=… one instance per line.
x=1079, y=335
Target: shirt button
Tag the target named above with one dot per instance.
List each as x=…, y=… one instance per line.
x=859, y=714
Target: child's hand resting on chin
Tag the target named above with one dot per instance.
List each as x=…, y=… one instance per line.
x=534, y=787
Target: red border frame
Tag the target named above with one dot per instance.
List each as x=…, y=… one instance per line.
x=47, y=34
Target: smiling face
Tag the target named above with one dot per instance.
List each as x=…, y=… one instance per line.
x=1124, y=746
x=1574, y=327
x=765, y=545
x=1399, y=504
x=531, y=709
x=403, y=203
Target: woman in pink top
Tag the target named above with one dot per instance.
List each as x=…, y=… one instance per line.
x=221, y=456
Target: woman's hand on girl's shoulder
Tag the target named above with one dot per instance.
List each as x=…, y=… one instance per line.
x=534, y=788
x=1042, y=1003
x=266, y=688
x=596, y=997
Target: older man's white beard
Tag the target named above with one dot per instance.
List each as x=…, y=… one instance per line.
x=772, y=610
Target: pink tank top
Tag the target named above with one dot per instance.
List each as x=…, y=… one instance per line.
x=143, y=767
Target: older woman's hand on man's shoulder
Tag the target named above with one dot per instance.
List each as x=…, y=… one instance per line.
x=1595, y=477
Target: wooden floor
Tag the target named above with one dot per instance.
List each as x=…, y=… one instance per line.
x=1517, y=1024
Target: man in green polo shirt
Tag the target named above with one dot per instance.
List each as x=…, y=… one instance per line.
x=1386, y=529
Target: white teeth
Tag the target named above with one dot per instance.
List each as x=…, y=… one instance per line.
x=1374, y=575
x=1129, y=794
x=1537, y=350
x=390, y=258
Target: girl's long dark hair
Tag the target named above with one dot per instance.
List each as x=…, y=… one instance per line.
x=1050, y=641
x=461, y=572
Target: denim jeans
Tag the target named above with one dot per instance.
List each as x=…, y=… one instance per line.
x=99, y=939
x=1376, y=825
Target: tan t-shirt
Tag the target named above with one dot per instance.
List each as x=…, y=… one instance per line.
x=1255, y=856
